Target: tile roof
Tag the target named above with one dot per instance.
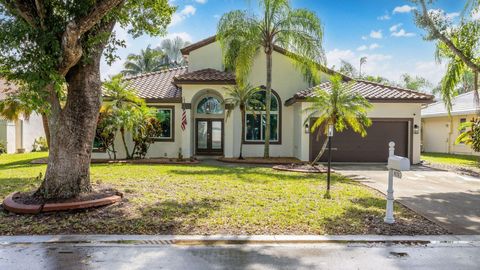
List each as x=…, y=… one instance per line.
x=461, y=105
x=157, y=85
x=208, y=75
x=6, y=88
x=371, y=91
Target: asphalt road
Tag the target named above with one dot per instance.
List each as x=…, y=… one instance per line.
x=450, y=199
x=438, y=256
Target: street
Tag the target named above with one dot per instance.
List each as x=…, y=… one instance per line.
x=164, y=255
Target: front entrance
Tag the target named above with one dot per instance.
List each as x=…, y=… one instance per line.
x=209, y=136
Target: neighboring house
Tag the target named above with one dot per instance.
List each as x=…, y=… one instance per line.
x=199, y=89
x=441, y=130
x=19, y=136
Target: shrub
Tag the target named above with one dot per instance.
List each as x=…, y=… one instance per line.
x=40, y=144
x=3, y=148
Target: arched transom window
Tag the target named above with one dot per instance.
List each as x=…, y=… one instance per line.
x=210, y=105
x=256, y=119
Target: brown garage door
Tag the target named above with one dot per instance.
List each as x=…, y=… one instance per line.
x=349, y=146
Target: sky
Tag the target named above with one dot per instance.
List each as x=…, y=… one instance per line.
x=382, y=30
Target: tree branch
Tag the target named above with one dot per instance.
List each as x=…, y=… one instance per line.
x=22, y=9
x=41, y=12
x=71, y=47
x=446, y=40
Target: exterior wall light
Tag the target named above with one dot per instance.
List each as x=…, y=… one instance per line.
x=416, y=129
x=307, y=129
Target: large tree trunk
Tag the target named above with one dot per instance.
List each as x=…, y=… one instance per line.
x=72, y=131
x=46, y=129
x=266, y=153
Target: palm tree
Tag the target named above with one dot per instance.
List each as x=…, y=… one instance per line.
x=339, y=107
x=123, y=107
x=242, y=96
x=470, y=134
x=244, y=35
x=171, y=48
x=149, y=60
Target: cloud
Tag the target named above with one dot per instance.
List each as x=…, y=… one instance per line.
x=364, y=37
x=362, y=48
x=201, y=1
x=376, y=62
x=374, y=46
x=384, y=17
x=180, y=16
x=395, y=27
x=402, y=33
x=376, y=34
x=403, y=9
x=183, y=35
x=476, y=14
x=453, y=15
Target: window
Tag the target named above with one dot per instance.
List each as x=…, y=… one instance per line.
x=462, y=121
x=98, y=144
x=165, y=116
x=256, y=120
x=210, y=105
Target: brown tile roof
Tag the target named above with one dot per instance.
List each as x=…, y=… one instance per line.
x=158, y=85
x=6, y=88
x=208, y=75
x=372, y=91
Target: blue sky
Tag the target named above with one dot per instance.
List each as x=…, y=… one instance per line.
x=381, y=30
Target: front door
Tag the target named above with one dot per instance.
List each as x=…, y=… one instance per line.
x=209, y=137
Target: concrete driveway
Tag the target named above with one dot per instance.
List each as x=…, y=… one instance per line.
x=450, y=199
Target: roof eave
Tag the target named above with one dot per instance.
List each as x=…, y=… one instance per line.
x=296, y=99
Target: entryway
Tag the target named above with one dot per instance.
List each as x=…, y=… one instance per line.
x=209, y=136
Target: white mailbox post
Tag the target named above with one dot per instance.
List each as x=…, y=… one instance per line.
x=396, y=165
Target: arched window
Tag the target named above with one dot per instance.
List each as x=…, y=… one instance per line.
x=256, y=119
x=210, y=105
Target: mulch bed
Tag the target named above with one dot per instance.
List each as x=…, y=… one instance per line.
x=263, y=161
x=29, y=203
x=474, y=172
x=132, y=161
x=302, y=167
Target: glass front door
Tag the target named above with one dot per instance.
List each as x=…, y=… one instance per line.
x=209, y=137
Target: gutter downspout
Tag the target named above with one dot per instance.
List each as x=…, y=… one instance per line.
x=450, y=132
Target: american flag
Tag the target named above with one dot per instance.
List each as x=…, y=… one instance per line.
x=184, y=119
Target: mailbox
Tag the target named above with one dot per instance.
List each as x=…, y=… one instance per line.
x=398, y=163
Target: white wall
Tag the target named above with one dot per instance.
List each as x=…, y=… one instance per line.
x=32, y=129
x=440, y=133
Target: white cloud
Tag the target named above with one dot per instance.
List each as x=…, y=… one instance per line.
x=453, y=15
x=403, y=9
x=376, y=63
x=374, y=46
x=402, y=33
x=364, y=37
x=384, y=17
x=376, y=34
x=362, y=48
x=476, y=14
x=335, y=57
x=395, y=27
x=186, y=12
x=201, y=1
x=183, y=35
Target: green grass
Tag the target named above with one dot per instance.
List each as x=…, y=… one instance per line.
x=450, y=159
x=200, y=199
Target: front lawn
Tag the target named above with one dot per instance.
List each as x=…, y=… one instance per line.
x=201, y=199
x=451, y=159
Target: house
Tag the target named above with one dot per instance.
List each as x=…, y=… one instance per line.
x=441, y=130
x=199, y=90
x=19, y=135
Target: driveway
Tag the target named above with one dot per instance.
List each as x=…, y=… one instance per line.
x=450, y=199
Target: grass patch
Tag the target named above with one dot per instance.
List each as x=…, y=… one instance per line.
x=451, y=159
x=201, y=199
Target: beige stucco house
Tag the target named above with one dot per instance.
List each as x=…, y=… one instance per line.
x=19, y=135
x=199, y=90
x=441, y=130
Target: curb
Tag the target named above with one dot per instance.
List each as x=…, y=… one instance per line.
x=237, y=239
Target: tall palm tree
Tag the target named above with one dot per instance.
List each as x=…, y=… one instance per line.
x=339, y=107
x=171, y=48
x=244, y=35
x=149, y=60
x=242, y=96
x=470, y=134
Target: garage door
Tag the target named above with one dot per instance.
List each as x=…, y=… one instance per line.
x=349, y=146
